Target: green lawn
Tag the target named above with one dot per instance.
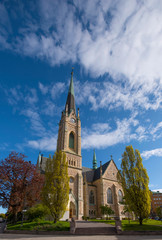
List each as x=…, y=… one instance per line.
x=41, y=226
x=148, y=225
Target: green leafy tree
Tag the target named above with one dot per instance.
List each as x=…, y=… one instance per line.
x=159, y=212
x=134, y=180
x=106, y=210
x=55, y=192
x=127, y=210
x=38, y=211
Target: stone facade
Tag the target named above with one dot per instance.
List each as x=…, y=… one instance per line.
x=89, y=188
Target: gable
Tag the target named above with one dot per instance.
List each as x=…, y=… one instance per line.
x=111, y=171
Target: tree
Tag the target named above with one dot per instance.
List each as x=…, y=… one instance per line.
x=127, y=210
x=106, y=210
x=159, y=212
x=38, y=211
x=134, y=180
x=20, y=183
x=55, y=192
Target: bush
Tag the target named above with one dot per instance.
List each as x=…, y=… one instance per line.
x=39, y=211
x=11, y=217
x=2, y=215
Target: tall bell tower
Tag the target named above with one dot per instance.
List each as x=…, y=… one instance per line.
x=69, y=141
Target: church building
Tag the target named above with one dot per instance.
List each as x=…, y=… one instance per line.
x=90, y=188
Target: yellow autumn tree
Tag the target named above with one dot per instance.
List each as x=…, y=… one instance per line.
x=134, y=180
x=55, y=194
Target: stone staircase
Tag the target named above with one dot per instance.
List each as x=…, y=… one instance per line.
x=94, y=228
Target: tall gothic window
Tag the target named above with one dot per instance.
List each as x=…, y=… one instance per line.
x=71, y=140
x=109, y=196
x=91, y=197
x=120, y=196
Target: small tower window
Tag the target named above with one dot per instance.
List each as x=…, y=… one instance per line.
x=71, y=140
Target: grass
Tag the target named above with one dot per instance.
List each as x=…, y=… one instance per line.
x=148, y=224
x=40, y=226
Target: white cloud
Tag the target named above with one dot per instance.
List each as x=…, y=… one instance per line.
x=35, y=120
x=57, y=89
x=160, y=190
x=121, y=38
x=156, y=131
x=99, y=139
x=44, y=144
x=101, y=127
x=110, y=95
x=142, y=133
x=43, y=89
x=155, y=152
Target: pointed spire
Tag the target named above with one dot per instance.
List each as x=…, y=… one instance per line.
x=70, y=102
x=94, y=160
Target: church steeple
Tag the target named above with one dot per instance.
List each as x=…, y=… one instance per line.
x=70, y=102
x=94, y=160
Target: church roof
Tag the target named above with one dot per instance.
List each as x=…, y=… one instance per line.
x=71, y=98
x=91, y=174
x=94, y=174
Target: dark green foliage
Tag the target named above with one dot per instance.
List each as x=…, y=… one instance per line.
x=39, y=211
x=106, y=210
x=159, y=212
x=134, y=180
x=41, y=226
x=2, y=215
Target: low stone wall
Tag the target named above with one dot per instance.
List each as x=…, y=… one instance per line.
x=72, y=226
x=38, y=232
x=2, y=227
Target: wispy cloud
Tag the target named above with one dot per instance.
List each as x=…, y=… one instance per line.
x=57, y=89
x=111, y=96
x=3, y=146
x=43, y=88
x=156, y=131
x=157, y=190
x=120, y=38
x=154, y=152
x=43, y=144
x=35, y=120
x=123, y=133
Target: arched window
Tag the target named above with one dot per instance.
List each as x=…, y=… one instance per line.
x=109, y=196
x=120, y=196
x=71, y=140
x=91, y=197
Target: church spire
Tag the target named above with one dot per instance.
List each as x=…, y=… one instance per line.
x=94, y=160
x=70, y=102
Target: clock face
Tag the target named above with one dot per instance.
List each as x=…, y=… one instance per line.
x=72, y=120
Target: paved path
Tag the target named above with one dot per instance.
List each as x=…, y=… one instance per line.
x=94, y=228
x=88, y=224
x=39, y=237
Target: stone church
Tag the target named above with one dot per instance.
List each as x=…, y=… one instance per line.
x=89, y=188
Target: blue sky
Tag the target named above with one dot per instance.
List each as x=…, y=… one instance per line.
x=115, y=48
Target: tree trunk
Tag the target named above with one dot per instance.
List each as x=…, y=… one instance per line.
x=140, y=220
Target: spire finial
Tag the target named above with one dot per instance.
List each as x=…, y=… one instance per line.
x=72, y=71
x=94, y=160
x=71, y=99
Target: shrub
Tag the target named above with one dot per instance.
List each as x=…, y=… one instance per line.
x=39, y=211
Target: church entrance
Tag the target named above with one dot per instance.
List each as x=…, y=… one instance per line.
x=72, y=212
